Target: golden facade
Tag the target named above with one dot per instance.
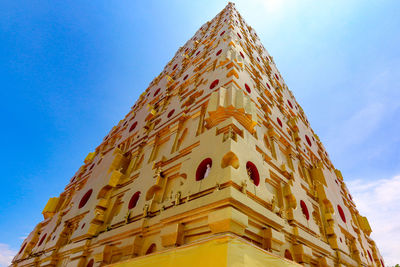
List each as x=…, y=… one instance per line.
x=215, y=165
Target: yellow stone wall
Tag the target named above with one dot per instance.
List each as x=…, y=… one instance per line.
x=219, y=251
x=216, y=145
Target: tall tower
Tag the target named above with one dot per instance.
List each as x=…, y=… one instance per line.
x=215, y=165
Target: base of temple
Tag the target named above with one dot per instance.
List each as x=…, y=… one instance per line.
x=224, y=250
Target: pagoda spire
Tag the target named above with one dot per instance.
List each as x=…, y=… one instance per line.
x=216, y=153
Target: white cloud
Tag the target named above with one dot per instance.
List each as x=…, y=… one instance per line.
x=379, y=201
x=6, y=255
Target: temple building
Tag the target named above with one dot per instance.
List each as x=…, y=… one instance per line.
x=214, y=165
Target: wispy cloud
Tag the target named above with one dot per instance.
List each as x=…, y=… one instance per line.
x=379, y=200
x=360, y=126
x=6, y=255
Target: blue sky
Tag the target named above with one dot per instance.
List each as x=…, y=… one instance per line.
x=69, y=71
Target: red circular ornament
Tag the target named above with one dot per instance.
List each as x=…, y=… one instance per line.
x=304, y=209
x=42, y=239
x=308, y=140
x=252, y=171
x=369, y=255
x=247, y=88
x=171, y=113
x=279, y=122
x=202, y=168
x=85, y=198
x=134, y=199
x=156, y=92
x=133, y=126
x=214, y=83
x=22, y=248
x=341, y=213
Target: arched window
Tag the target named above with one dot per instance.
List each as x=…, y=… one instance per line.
x=134, y=199
x=304, y=209
x=85, y=198
x=369, y=255
x=171, y=113
x=203, y=169
x=133, y=126
x=308, y=140
x=279, y=122
x=42, y=239
x=90, y=263
x=341, y=213
x=22, y=248
x=252, y=172
x=156, y=92
x=151, y=249
x=288, y=255
x=214, y=83
x=247, y=88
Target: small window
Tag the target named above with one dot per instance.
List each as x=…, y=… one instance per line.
x=341, y=213
x=133, y=126
x=288, y=255
x=42, y=239
x=252, y=172
x=151, y=249
x=85, y=198
x=247, y=88
x=214, y=83
x=171, y=113
x=308, y=140
x=156, y=92
x=279, y=122
x=134, y=200
x=304, y=209
x=203, y=169
x=22, y=248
